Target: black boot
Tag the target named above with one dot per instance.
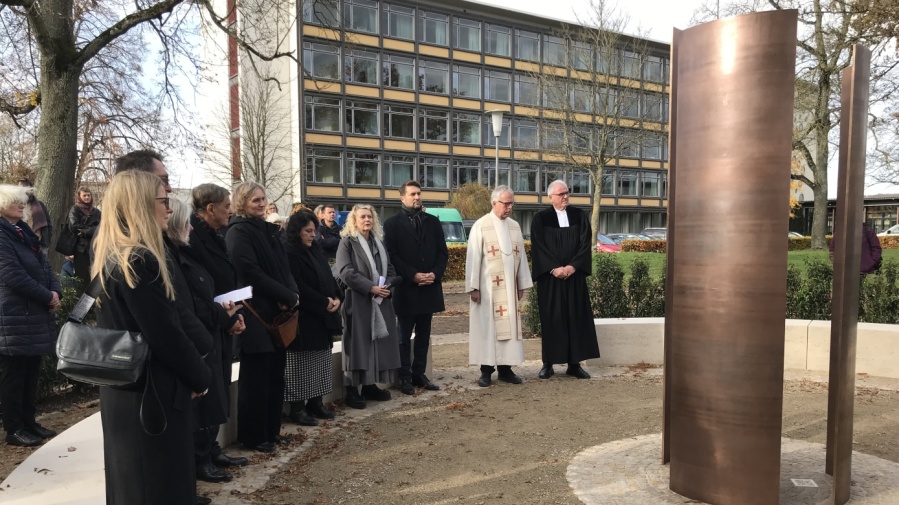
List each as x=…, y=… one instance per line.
x=353, y=399
x=316, y=408
x=299, y=415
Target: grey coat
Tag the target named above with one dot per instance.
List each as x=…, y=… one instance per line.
x=354, y=270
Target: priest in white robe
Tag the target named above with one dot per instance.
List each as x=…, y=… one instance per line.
x=496, y=277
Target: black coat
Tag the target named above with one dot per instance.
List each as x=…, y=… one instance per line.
x=27, y=283
x=412, y=253
x=208, y=248
x=83, y=226
x=260, y=261
x=328, y=238
x=316, y=326
x=193, y=327
x=141, y=468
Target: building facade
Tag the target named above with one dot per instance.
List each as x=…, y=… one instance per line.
x=391, y=91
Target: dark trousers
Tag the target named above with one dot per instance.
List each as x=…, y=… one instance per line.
x=260, y=395
x=18, y=391
x=421, y=324
x=206, y=446
x=504, y=370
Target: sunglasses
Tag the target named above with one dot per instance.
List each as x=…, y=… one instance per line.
x=165, y=201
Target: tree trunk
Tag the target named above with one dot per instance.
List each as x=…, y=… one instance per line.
x=57, y=152
x=822, y=147
x=597, y=199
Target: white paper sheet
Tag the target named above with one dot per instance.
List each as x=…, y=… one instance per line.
x=381, y=281
x=235, y=296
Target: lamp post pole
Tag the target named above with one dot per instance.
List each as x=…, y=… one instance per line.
x=497, y=117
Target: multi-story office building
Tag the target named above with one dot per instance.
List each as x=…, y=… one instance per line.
x=390, y=90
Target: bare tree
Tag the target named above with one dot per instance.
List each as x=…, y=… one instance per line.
x=18, y=150
x=604, y=78
x=828, y=30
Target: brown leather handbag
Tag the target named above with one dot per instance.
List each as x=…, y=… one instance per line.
x=283, y=328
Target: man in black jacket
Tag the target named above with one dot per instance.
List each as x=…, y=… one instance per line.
x=328, y=233
x=417, y=250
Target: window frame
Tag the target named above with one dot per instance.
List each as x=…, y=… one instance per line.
x=425, y=17
x=647, y=178
x=313, y=154
x=518, y=127
x=424, y=66
x=391, y=12
x=465, y=165
x=425, y=179
x=426, y=115
x=622, y=179
x=313, y=103
x=311, y=49
x=458, y=24
x=468, y=118
x=516, y=90
x=387, y=164
x=351, y=107
x=467, y=72
x=351, y=9
x=555, y=51
x=352, y=157
x=388, y=111
x=525, y=171
x=490, y=76
x=490, y=28
x=388, y=61
x=350, y=59
x=310, y=14
x=527, y=35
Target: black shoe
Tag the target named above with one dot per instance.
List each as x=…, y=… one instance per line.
x=374, y=393
x=202, y=500
x=423, y=382
x=353, y=399
x=485, y=380
x=283, y=440
x=40, y=431
x=266, y=447
x=23, y=438
x=212, y=473
x=406, y=387
x=546, y=372
x=317, y=409
x=577, y=371
x=223, y=460
x=509, y=377
x=303, y=418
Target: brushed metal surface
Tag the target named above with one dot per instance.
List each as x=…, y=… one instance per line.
x=847, y=257
x=732, y=143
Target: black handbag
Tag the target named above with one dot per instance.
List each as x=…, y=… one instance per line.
x=66, y=242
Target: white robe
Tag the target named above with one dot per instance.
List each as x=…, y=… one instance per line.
x=483, y=346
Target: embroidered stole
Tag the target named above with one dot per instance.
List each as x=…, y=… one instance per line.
x=495, y=252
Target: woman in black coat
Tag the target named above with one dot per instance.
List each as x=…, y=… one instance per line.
x=29, y=296
x=83, y=221
x=308, y=373
x=260, y=261
x=147, y=441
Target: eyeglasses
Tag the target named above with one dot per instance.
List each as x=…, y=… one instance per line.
x=506, y=204
x=564, y=193
x=165, y=201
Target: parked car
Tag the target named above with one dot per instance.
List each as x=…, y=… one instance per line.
x=893, y=230
x=605, y=244
x=655, y=233
x=794, y=234
x=618, y=238
x=451, y=221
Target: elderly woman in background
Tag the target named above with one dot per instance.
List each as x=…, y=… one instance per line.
x=308, y=373
x=370, y=346
x=83, y=221
x=29, y=296
x=147, y=442
x=260, y=261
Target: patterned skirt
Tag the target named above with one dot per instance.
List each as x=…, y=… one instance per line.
x=307, y=375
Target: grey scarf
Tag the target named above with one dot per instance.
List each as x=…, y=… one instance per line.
x=378, y=326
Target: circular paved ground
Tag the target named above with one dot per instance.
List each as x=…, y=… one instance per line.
x=628, y=472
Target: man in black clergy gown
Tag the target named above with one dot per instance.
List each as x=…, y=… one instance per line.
x=561, y=252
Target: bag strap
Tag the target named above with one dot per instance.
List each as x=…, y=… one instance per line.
x=247, y=305
x=86, y=302
x=149, y=383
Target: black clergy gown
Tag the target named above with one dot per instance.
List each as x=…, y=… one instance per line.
x=566, y=319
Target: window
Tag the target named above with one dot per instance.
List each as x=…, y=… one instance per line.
x=466, y=128
x=399, y=72
x=554, y=51
x=497, y=86
x=434, y=173
x=581, y=138
x=527, y=91
x=321, y=12
x=490, y=173
x=399, y=22
x=399, y=122
x=432, y=28
x=653, y=68
x=555, y=94
x=434, y=125
x=630, y=65
x=527, y=45
x=322, y=114
x=606, y=102
x=627, y=145
x=629, y=104
x=398, y=169
x=608, y=183
x=504, y=135
x=652, y=146
x=499, y=40
x=524, y=134
x=664, y=149
x=579, y=182
x=627, y=183
x=467, y=34
x=465, y=172
x=466, y=81
x=362, y=118
x=652, y=107
x=606, y=60
x=582, y=98
x=433, y=77
x=525, y=180
x=361, y=15
x=665, y=109
x=551, y=173
x=553, y=136
x=664, y=185
x=364, y=169
x=651, y=184
x=361, y=67
x=321, y=60
x=581, y=55
x=323, y=166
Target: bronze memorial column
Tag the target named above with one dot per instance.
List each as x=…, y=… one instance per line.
x=733, y=82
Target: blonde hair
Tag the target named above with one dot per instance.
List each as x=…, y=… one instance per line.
x=178, y=221
x=129, y=226
x=241, y=196
x=351, y=230
x=10, y=194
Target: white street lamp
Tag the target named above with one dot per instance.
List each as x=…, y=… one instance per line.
x=497, y=116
